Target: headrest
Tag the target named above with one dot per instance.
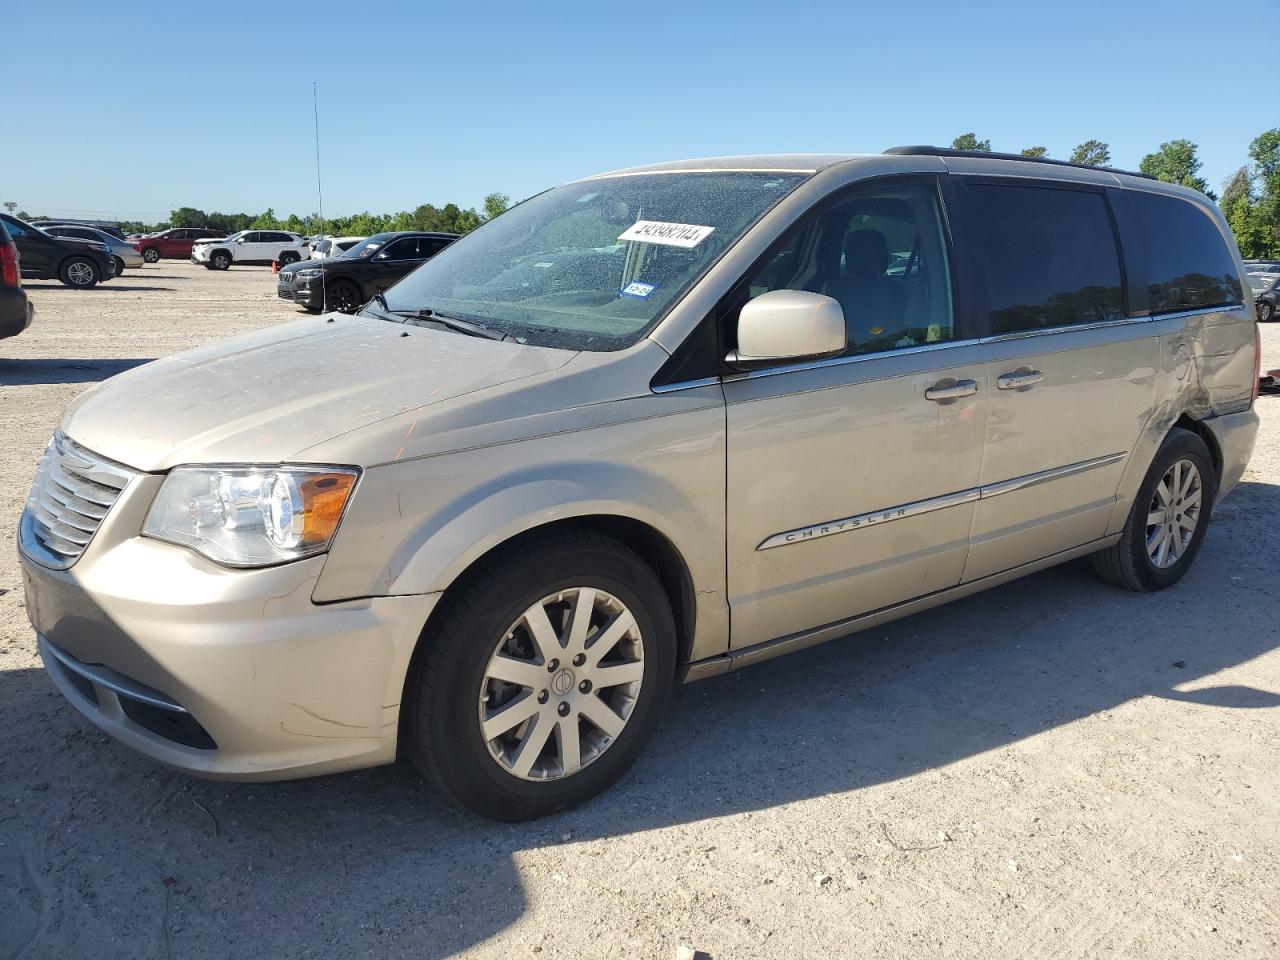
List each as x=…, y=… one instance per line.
x=866, y=253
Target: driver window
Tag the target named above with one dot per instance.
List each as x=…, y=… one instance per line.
x=881, y=254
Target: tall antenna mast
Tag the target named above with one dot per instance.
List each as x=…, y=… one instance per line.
x=315, y=106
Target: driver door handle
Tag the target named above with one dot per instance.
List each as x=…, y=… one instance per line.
x=951, y=390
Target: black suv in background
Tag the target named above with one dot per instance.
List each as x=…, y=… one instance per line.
x=77, y=263
x=16, y=310
x=346, y=282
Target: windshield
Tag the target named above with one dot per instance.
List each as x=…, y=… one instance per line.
x=1263, y=281
x=367, y=248
x=592, y=265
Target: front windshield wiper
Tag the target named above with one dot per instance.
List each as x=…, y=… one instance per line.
x=378, y=306
x=469, y=327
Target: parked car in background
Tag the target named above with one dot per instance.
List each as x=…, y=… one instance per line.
x=16, y=309
x=172, y=244
x=642, y=428
x=77, y=263
x=370, y=267
x=250, y=247
x=109, y=227
x=123, y=252
x=1266, y=293
x=333, y=246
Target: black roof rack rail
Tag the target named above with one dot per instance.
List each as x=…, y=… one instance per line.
x=926, y=151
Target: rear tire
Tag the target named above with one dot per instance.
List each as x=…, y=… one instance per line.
x=287, y=258
x=79, y=272
x=151, y=255
x=484, y=630
x=1266, y=312
x=1156, y=548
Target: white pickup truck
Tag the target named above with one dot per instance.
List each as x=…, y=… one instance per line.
x=250, y=246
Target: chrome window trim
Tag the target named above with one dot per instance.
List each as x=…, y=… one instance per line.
x=106, y=677
x=856, y=358
x=685, y=385
x=863, y=520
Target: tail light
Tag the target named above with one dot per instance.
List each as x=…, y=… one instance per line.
x=9, y=275
x=1257, y=358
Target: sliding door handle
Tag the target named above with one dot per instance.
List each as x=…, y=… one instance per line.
x=950, y=389
x=1019, y=379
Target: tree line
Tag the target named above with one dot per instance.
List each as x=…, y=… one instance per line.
x=447, y=219
x=1250, y=198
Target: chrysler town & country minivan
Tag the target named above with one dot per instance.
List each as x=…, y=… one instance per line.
x=646, y=427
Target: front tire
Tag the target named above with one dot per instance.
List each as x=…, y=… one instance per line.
x=343, y=296
x=1168, y=520
x=119, y=266
x=151, y=255
x=544, y=677
x=220, y=260
x=79, y=272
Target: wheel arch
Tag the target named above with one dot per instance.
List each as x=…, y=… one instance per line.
x=1187, y=422
x=653, y=546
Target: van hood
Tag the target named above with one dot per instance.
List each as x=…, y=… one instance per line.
x=267, y=396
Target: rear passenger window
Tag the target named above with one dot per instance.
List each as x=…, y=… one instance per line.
x=1048, y=256
x=1189, y=265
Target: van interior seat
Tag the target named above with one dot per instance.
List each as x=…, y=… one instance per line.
x=871, y=300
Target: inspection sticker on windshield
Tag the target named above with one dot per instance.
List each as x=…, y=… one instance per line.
x=685, y=235
x=639, y=289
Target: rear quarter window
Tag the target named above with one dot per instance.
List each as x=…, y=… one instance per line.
x=1188, y=263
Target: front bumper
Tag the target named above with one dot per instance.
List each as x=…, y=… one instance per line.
x=304, y=292
x=231, y=674
x=200, y=254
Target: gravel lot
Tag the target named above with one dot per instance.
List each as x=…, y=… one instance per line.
x=1054, y=768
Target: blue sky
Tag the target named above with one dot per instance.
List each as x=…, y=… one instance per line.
x=130, y=109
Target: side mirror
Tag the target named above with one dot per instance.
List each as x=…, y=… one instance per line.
x=784, y=325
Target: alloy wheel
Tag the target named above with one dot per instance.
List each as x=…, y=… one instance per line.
x=151, y=255
x=80, y=273
x=1174, y=513
x=561, y=684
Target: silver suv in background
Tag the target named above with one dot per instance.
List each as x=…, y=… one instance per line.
x=646, y=427
x=123, y=252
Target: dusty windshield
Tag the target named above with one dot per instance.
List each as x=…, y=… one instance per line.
x=592, y=265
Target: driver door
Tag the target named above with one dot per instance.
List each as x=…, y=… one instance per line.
x=852, y=481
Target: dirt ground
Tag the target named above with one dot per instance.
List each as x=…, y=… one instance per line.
x=1054, y=768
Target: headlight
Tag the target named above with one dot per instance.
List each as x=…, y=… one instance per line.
x=251, y=516
x=307, y=274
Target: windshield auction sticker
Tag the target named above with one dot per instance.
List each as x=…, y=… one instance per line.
x=668, y=234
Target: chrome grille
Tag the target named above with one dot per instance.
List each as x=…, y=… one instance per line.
x=72, y=493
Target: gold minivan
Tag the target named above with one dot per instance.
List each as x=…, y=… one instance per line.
x=646, y=427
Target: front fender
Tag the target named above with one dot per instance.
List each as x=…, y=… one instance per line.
x=415, y=526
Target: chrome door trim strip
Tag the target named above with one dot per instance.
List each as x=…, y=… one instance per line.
x=918, y=507
x=1044, y=476
x=862, y=520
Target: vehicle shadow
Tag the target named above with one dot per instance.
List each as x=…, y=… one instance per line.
x=877, y=707
x=28, y=372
